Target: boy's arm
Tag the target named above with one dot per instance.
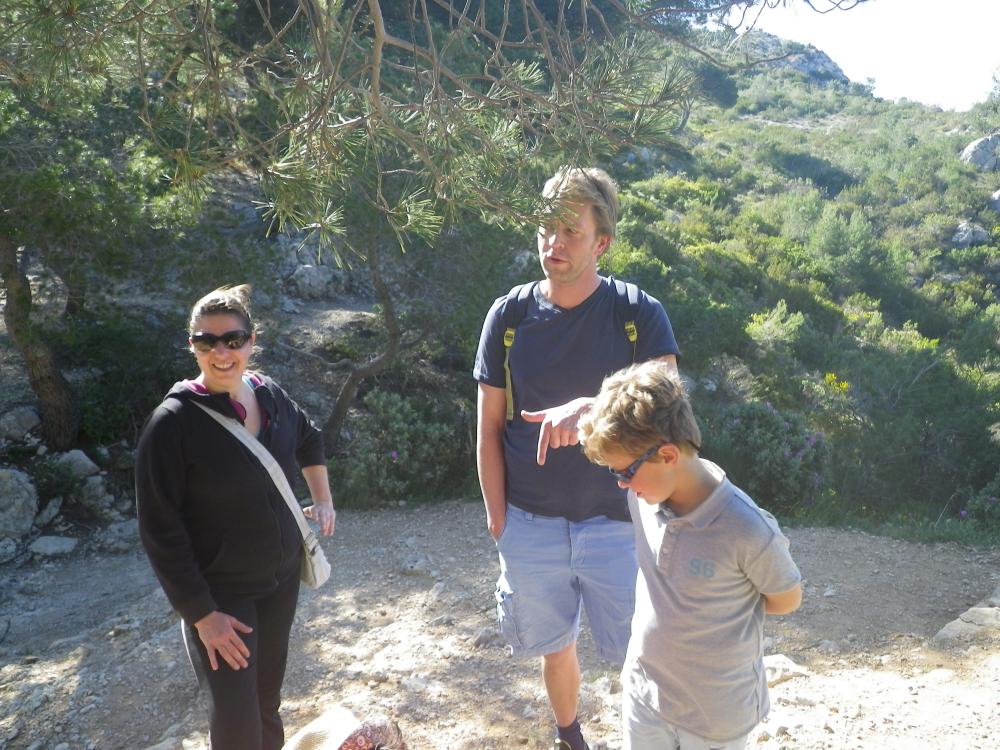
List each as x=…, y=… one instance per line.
x=783, y=603
x=491, y=419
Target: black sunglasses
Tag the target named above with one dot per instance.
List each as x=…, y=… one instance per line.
x=626, y=474
x=205, y=342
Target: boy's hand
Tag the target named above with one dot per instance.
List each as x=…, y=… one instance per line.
x=559, y=425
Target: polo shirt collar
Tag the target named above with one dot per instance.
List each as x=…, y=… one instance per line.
x=713, y=505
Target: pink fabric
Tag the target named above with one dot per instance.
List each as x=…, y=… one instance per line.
x=253, y=380
x=373, y=734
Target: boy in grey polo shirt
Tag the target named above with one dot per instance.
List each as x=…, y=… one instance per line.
x=711, y=564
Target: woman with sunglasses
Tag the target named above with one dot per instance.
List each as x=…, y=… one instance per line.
x=219, y=535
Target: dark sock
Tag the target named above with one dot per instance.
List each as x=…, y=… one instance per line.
x=572, y=735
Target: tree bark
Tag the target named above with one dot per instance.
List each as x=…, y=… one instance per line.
x=390, y=322
x=59, y=407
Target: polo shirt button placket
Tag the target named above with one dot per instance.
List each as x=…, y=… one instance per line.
x=667, y=544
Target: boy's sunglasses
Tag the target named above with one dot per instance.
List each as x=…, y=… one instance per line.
x=205, y=342
x=626, y=474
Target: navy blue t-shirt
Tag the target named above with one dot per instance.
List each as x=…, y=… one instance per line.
x=558, y=355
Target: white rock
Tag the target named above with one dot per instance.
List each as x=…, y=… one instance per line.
x=995, y=201
x=49, y=546
x=17, y=423
x=18, y=503
x=437, y=590
x=78, y=463
x=119, y=537
x=779, y=668
x=974, y=622
x=486, y=637
x=416, y=565
x=314, y=282
x=983, y=153
x=49, y=512
x=993, y=600
x=414, y=682
x=969, y=234
x=95, y=497
x=984, y=617
x=8, y=548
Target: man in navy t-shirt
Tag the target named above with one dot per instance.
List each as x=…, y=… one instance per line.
x=560, y=523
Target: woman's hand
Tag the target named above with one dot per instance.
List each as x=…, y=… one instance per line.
x=218, y=631
x=323, y=514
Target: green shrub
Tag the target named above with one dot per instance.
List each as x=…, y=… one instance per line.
x=984, y=507
x=133, y=366
x=53, y=479
x=401, y=448
x=774, y=457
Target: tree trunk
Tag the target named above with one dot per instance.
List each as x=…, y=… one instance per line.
x=60, y=411
x=333, y=425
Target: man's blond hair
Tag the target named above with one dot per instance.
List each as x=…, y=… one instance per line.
x=591, y=186
x=638, y=408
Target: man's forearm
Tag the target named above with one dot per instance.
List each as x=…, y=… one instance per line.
x=492, y=481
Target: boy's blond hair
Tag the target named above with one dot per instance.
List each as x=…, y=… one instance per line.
x=638, y=408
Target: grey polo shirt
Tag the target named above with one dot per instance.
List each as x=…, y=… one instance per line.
x=696, y=653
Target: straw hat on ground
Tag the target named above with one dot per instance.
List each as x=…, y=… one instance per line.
x=339, y=729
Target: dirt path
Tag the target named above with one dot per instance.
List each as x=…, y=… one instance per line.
x=91, y=657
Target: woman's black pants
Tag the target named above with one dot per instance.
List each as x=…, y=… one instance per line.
x=243, y=704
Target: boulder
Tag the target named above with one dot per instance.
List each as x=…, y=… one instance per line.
x=51, y=546
x=17, y=423
x=983, y=154
x=49, y=512
x=8, y=549
x=19, y=503
x=995, y=201
x=969, y=234
x=314, y=282
x=983, y=619
x=118, y=537
x=78, y=463
x=95, y=497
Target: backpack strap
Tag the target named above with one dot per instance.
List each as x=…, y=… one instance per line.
x=627, y=310
x=515, y=307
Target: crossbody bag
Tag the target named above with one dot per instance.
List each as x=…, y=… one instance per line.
x=315, y=568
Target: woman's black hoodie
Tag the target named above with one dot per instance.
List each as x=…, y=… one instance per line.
x=210, y=517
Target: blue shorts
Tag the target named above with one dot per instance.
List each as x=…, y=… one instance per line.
x=549, y=566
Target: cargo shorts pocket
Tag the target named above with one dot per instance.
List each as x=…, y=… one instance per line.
x=505, y=617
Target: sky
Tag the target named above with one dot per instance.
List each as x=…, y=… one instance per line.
x=938, y=52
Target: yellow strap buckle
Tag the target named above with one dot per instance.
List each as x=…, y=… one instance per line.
x=508, y=342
